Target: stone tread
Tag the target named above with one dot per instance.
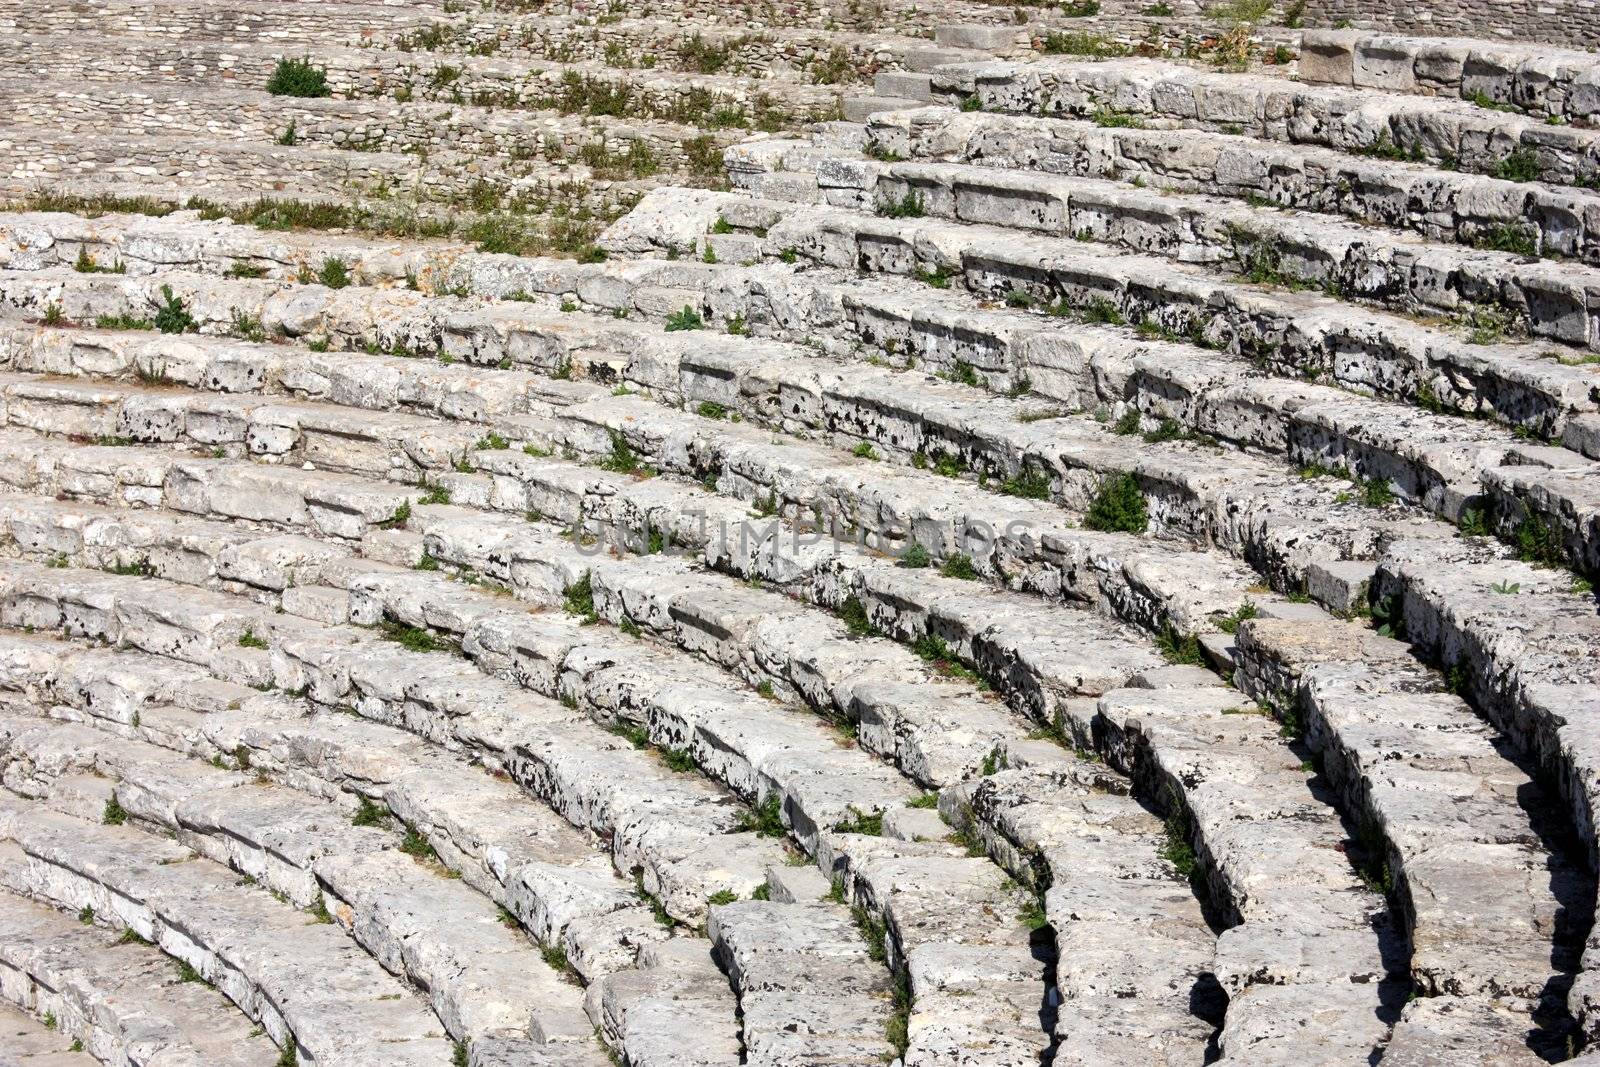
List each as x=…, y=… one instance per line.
x=28, y=1042
x=1438, y=204
x=299, y=980
x=122, y=1002
x=482, y=978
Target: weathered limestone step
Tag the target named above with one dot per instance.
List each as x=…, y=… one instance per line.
x=1493, y=906
x=965, y=1022
x=1523, y=643
x=482, y=979
x=1170, y=299
x=1441, y=205
x=683, y=832
x=520, y=854
x=907, y=417
x=118, y=1003
x=31, y=1043
x=604, y=925
x=1400, y=271
x=446, y=131
x=301, y=981
x=672, y=1011
x=954, y=928
x=1007, y=348
x=1300, y=929
x=504, y=82
x=808, y=988
x=1135, y=950
x=1536, y=78
x=1438, y=131
x=207, y=168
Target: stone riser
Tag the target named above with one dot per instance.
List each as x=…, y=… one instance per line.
x=450, y=134
x=1473, y=139
x=1357, y=264
x=364, y=884
x=238, y=939
x=497, y=83
x=119, y=1003
x=1439, y=205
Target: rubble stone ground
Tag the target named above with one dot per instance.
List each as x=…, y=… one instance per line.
x=816, y=533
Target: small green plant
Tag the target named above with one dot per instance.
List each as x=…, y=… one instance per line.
x=172, y=316
x=334, y=273
x=248, y=639
x=687, y=319
x=711, y=410
x=864, y=451
x=860, y=822
x=1521, y=164
x=1112, y=119
x=1537, y=542
x=1118, y=505
x=722, y=896
x=415, y=845
x=298, y=77
x=764, y=819
x=1180, y=649
x=622, y=459
x=86, y=915
x=1028, y=484
x=435, y=494
x=910, y=206
x=971, y=102
x=959, y=566
x=289, y=137
x=925, y=802
x=578, y=599
x=1377, y=493
x=113, y=814
x=1506, y=588
x=915, y=557
x=854, y=615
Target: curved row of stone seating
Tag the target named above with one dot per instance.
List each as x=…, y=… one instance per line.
x=716, y=100
x=525, y=858
x=1437, y=131
x=452, y=132
x=484, y=980
x=114, y=1000
x=262, y=955
x=1441, y=205
x=1523, y=75
x=1427, y=461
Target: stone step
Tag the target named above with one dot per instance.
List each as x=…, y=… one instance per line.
x=967, y=1025
x=1136, y=952
x=1353, y=261
x=1494, y=908
x=517, y=853
x=672, y=1011
x=483, y=979
x=30, y=1043
x=262, y=955
x=603, y=940
x=903, y=85
x=1504, y=381
x=861, y=108
x=955, y=926
x=1531, y=77
x=116, y=1002
x=501, y=82
x=448, y=132
x=1521, y=642
x=237, y=166
x=807, y=984
x=1440, y=205
x=1438, y=131
x=1166, y=299
x=551, y=751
